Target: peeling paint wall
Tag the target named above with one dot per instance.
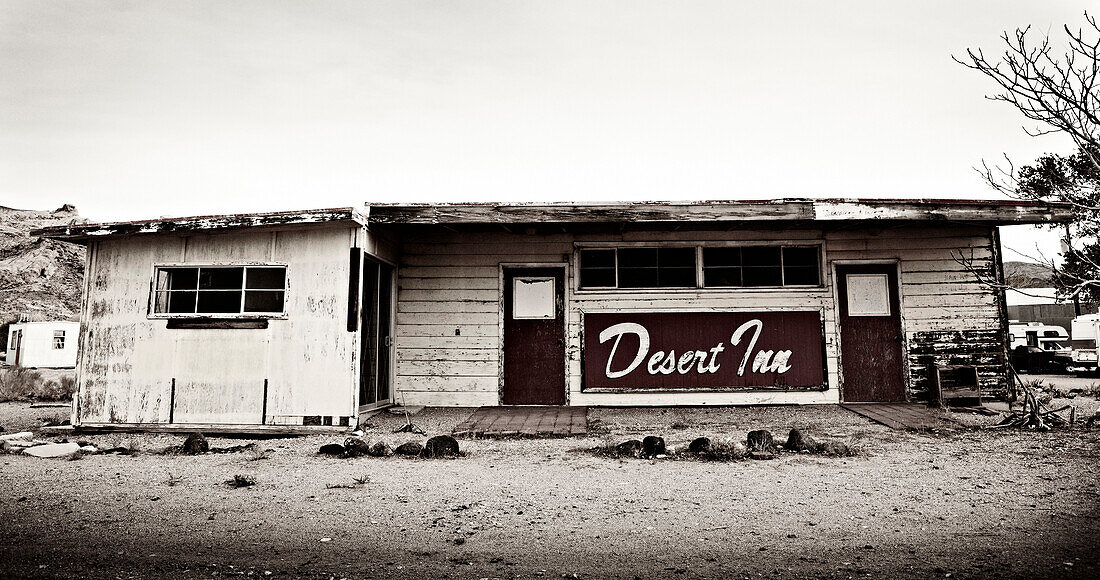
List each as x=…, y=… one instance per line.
x=948, y=317
x=129, y=360
x=448, y=310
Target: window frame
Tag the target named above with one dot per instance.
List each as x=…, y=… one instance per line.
x=699, y=246
x=56, y=343
x=151, y=306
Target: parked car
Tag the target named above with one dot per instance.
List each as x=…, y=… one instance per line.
x=1035, y=360
x=1084, y=362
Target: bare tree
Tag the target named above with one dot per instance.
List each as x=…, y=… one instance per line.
x=1058, y=91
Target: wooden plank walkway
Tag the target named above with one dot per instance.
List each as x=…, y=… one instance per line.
x=520, y=421
x=900, y=415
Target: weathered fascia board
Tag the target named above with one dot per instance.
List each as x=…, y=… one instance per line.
x=801, y=210
x=85, y=232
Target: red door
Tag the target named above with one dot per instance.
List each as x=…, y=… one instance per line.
x=534, y=336
x=870, y=333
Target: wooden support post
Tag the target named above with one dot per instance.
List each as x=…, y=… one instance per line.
x=172, y=402
x=263, y=413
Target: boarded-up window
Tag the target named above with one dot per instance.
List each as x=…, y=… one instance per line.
x=533, y=298
x=868, y=295
x=59, y=340
x=214, y=290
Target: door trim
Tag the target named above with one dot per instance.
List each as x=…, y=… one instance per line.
x=567, y=296
x=896, y=262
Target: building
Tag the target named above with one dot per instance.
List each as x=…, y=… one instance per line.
x=310, y=318
x=43, y=344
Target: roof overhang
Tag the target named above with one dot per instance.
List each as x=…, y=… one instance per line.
x=992, y=212
x=789, y=211
x=207, y=223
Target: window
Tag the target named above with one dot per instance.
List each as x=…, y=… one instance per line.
x=761, y=266
x=638, y=268
x=59, y=340
x=213, y=290
x=722, y=267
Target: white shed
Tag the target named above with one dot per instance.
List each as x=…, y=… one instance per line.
x=43, y=344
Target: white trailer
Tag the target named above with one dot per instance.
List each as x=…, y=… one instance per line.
x=43, y=344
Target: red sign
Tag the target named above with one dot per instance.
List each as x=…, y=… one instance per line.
x=687, y=350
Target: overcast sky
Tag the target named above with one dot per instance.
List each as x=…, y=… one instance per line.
x=141, y=109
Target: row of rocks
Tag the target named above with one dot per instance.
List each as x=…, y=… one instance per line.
x=760, y=444
x=435, y=447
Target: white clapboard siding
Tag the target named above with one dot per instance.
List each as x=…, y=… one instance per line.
x=450, y=283
x=449, y=318
x=447, y=330
x=455, y=354
x=415, y=306
x=449, y=399
x=448, y=383
x=447, y=259
x=447, y=342
x=451, y=280
x=447, y=368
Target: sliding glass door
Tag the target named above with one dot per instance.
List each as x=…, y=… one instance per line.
x=377, y=341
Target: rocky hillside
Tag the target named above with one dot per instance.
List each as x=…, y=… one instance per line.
x=1027, y=275
x=40, y=278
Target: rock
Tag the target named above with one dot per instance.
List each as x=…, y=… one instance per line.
x=354, y=447
x=88, y=448
x=761, y=441
x=632, y=448
x=52, y=450
x=700, y=445
x=761, y=455
x=19, y=435
x=380, y=449
x=440, y=446
x=796, y=441
x=195, y=444
x=409, y=448
x=331, y=449
x=652, y=446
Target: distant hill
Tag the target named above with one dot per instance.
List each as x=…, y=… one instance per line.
x=1027, y=275
x=39, y=278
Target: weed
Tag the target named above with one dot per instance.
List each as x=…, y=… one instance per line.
x=241, y=480
x=849, y=448
x=172, y=480
x=256, y=453
x=679, y=426
x=356, y=482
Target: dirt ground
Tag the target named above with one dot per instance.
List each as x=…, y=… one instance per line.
x=957, y=502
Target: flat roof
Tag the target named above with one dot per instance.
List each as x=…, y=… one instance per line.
x=991, y=212
x=994, y=212
x=86, y=231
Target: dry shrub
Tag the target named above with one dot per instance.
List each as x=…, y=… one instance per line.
x=19, y=384
x=22, y=384
x=723, y=451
